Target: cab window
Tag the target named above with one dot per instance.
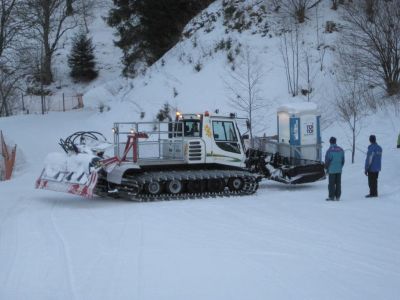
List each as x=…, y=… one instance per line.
x=224, y=131
x=225, y=136
x=192, y=128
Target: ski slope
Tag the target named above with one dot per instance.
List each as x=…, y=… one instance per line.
x=285, y=242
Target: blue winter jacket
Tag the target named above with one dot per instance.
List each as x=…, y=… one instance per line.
x=334, y=159
x=374, y=158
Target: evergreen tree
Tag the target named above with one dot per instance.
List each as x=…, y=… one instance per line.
x=82, y=60
x=164, y=113
x=149, y=28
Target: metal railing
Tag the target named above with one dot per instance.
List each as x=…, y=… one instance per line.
x=164, y=140
x=295, y=155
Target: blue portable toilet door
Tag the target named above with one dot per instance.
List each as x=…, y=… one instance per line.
x=295, y=137
x=319, y=140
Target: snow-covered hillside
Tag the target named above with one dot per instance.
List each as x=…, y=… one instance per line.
x=196, y=74
x=285, y=242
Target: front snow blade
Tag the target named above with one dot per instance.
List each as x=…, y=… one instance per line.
x=68, y=182
x=306, y=174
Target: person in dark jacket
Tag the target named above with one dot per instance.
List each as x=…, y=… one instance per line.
x=373, y=166
x=334, y=161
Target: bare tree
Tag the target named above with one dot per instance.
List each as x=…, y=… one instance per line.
x=9, y=79
x=297, y=8
x=374, y=40
x=10, y=25
x=289, y=49
x=86, y=8
x=244, y=86
x=49, y=20
x=352, y=98
x=309, y=72
x=11, y=71
x=321, y=47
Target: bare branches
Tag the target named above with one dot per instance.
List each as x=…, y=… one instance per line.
x=244, y=86
x=352, y=97
x=10, y=72
x=49, y=20
x=297, y=8
x=9, y=84
x=9, y=25
x=289, y=49
x=30, y=34
x=374, y=38
x=86, y=11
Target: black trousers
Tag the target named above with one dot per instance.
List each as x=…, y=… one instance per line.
x=373, y=183
x=335, y=186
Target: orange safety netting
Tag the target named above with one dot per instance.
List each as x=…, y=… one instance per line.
x=9, y=159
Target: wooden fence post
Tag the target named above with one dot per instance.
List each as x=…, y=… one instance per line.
x=23, y=103
x=80, y=100
x=43, y=103
x=9, y=160
x=63, y=102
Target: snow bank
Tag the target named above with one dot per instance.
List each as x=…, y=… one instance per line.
x=299, y=108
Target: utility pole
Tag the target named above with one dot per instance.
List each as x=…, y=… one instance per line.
x=41, y=81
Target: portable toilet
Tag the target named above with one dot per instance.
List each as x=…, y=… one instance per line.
x=299, y=131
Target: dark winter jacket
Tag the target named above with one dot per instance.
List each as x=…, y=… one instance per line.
x=374, y=158
x=334, y=159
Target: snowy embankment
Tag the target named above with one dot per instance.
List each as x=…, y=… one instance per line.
x=282, y=243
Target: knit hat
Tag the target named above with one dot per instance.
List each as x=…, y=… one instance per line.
x=332, y=140
x=372, y=139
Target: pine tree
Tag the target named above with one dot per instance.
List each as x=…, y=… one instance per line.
x=164, y=113
x=82, y=59
x=146, y=29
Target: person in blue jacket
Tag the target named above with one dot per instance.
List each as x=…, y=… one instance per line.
x=334, y=161
x=373, y=166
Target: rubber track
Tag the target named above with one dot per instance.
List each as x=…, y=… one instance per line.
x=132, y=184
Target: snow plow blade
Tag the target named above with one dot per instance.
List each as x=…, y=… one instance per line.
x=301, y=174
x=283, y=169
x=68, y=182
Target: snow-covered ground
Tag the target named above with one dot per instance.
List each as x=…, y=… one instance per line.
x=285, y=242
x=282, y=243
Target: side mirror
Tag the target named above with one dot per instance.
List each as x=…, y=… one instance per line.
x=245, y=136
x=216, y=136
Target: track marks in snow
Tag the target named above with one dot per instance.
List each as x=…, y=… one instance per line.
x=8, y=243
x=139, y=261
x=65, y=252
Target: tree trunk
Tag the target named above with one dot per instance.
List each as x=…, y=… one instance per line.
x=369, y=9
x=70, y=10
x=334, y=4
x=392, y=87
x=46, y=74
x=353, y=148
x=301, y=14
x=4, y=111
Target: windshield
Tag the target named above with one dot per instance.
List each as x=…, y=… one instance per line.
x=192, y=128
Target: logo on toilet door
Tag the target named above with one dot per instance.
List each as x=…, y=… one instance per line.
x=309, y=128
